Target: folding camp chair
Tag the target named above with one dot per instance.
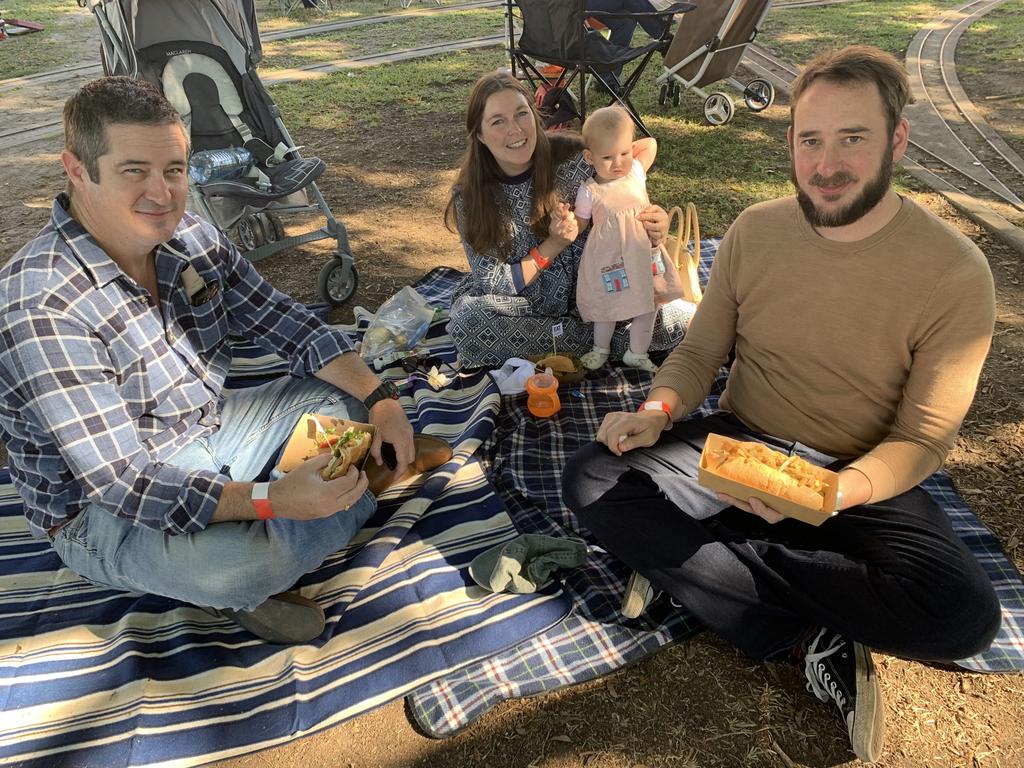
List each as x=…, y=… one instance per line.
x=554, y=31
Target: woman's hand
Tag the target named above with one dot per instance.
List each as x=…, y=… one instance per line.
x=563, y=227
x=655, y=221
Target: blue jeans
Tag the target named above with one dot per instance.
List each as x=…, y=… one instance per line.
x=232, y=564
x=622, y=29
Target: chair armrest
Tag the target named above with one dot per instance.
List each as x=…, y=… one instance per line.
x=671, y=10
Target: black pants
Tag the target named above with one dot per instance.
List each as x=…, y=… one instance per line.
x=892, y=575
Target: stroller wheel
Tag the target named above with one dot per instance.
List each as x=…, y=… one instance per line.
x=250, y=232
x=718, y=108
x=676, y=93
x=663, y=95
x=759, y=95
x=333, y=287
x=272, y=226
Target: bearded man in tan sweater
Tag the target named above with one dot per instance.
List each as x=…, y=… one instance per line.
x=859, y=322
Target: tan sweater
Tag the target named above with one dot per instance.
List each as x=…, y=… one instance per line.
x=869, y=349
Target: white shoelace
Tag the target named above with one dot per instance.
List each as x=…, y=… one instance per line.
x=819, y=679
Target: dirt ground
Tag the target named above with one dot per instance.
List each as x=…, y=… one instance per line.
x=696, y=704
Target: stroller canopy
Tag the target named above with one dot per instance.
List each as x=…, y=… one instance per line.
x=131, y=25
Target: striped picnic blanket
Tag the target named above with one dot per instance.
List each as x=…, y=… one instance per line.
x=90, y=676
x=524, y=458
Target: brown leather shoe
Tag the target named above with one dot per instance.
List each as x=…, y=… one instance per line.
x=431, y=453
x=286, y=619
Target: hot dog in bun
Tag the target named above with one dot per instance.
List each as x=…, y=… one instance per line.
x=758, y=466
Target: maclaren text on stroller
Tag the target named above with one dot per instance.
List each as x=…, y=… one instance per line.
x=202, y=54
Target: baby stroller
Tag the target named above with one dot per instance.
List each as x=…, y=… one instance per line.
x=202, y=54
x=706, y=49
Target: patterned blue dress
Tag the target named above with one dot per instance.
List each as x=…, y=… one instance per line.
x=492, y=320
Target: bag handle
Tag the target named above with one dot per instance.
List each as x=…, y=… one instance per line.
x=688, y=222
x=691, y=222
x=675, y=212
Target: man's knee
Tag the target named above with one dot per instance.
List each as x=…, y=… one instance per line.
x=244, y=588
x=974, y=613
x=590, y=473
x=956, y=613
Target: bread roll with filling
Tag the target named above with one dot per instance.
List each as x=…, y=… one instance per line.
x=350, y=449
x=758, y=466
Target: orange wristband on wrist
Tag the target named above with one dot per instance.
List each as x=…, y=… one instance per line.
x=658, y=405
x=539, y=260
x=261, y=501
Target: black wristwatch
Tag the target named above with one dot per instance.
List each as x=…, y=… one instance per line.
x=386, y=391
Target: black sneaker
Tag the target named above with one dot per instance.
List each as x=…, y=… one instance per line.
x=841, y=670
x=286, y=619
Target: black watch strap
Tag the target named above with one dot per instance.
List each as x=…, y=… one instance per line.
x=386, y=391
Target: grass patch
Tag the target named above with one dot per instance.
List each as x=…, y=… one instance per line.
x=799, y=33
x=272, y=21
x=366, y=99
x=70, y=35
x=997, y=40
x=298, y=52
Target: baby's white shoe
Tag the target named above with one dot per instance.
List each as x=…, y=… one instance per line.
x=595, y=358
x=643, y=362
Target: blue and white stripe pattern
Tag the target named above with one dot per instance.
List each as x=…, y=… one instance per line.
x=524, y=459
x=102, y=678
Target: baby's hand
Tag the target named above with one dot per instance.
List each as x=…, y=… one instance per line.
x=563, y=224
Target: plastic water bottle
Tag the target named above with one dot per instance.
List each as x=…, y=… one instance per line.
x=219, y=164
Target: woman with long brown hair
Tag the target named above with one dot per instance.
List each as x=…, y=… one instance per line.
x=509, y=206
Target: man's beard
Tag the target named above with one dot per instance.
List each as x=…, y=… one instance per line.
x=872, y=195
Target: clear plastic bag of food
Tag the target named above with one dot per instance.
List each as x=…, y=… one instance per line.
x=400, y=322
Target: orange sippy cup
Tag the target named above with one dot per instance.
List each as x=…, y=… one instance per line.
x=543, y=390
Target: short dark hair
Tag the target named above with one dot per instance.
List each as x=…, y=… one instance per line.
x=858, y=64
x=103, y=102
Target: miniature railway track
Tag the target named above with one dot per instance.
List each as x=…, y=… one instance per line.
x=993, y=165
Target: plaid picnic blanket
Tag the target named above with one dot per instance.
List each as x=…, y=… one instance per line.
x=90, y=676
x=524, y=459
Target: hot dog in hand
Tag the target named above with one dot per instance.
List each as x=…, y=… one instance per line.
x=758, y=466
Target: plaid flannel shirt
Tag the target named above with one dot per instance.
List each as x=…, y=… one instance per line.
x=98, y=389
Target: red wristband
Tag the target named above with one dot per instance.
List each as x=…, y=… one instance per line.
x=539, y=260
x=261, y=501
x=658, y=405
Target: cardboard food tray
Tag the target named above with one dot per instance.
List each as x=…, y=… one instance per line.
x=302, y=443
x=709, y=479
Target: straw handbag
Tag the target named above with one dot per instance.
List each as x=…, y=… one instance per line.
x=678, y=247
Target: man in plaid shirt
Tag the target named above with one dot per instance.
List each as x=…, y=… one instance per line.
x=114, y=324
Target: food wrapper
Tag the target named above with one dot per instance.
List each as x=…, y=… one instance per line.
x=710, y=479
x=303, y=443
x=400, y=322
